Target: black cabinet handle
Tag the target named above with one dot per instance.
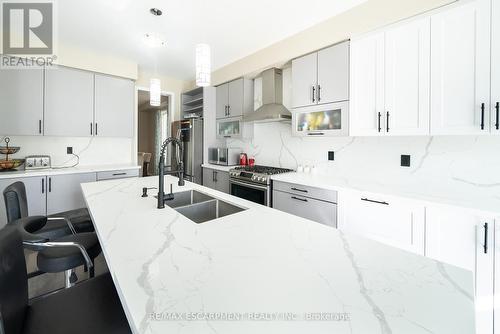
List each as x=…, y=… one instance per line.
x=387, y=122
x=43, y=186
x=301, y=190
x=372, y=201
x=50, y=184
x=229, y=110
x=40, y=126
x=319, y=93
x=497, y=108
x=314, y=93
x=485, y=238
x=91, y=129
x=299, y=199
x=482, y=116
x=215, y=176
x=379, y=118
x=119, y=174
x=315, y=134
x=96, y=128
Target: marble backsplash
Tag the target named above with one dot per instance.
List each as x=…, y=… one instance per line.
x=441, y=162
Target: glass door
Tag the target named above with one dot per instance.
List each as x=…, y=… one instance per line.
x=229, y=128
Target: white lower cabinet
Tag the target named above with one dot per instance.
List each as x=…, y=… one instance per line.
x=35, y=193
x=393, y=221
x=64, y=192
x=464, y=239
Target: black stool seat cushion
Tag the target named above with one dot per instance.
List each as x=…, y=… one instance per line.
x=89, y=307
x=80, y=218
x=58, y=259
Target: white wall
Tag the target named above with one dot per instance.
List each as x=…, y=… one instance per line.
x=92, y=151
x=464, y=163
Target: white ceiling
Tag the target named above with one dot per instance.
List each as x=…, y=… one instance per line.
x=233, y=28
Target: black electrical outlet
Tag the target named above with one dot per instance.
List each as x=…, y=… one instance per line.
x=405, y=160
x=69, y=150
x=331, y=155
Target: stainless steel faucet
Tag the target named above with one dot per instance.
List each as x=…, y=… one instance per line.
x=162, y=197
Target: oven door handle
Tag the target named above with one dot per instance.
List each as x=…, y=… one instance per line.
x=249, y=185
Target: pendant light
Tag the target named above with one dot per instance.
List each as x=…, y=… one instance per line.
x=155, y=92
x=203, y=65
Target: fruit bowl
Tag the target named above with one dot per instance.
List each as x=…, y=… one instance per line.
x=9, y=149
x=10, y=164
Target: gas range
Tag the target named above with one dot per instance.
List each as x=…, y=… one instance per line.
x=256, y=174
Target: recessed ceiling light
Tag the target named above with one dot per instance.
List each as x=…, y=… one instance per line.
x=154, y=40
x=156, y=11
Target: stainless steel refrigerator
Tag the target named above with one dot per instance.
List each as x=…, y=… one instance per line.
x=191, y=134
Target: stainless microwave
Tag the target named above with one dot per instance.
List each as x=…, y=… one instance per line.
x=224, y=156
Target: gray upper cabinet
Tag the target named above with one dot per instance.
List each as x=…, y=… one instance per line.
x=69, y=102
x=234, y=99
x=321, y=77
x=222, y=97
x=304, y=77
x=333, y=74
x=114, y=106
x=21, y=102
x=236, y=96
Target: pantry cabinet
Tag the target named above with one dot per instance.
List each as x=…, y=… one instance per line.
x=21, y=102
x=460, y=69
x=390, y=83
x=392, y=221
x=321, y=77
x=464, y=239
x=69, y=102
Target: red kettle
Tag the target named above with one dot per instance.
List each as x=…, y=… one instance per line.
x=243, y=159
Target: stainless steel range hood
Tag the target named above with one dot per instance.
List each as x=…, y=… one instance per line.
x=271, y=90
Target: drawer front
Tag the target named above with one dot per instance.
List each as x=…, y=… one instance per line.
x=318, y=211
x=117, y=174
x=311, y=192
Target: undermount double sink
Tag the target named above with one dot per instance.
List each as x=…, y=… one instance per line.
x=200, y=207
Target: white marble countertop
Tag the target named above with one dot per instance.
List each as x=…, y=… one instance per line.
x=219, y=167
x=70, y=170
x=475, y=198
x=175, y=276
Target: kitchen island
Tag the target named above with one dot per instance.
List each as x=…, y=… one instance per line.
x=264, y=271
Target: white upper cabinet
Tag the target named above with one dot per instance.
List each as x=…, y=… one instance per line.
x=114, y=107
x=390, y=82
x=333, y=74
x=407, y=78
x=69, y=102
x=21, y=102
x=321, y=77
x=495, y=69
x=367, y=85
x=460, y=69
x=463, y=239
x=304, y=79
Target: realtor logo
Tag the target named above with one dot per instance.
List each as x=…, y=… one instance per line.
x=28, y=28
